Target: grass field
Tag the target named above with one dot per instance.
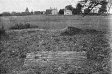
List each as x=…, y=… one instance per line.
x=59, y=22
x=33, y=51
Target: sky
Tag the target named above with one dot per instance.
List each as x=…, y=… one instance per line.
x=35, y=5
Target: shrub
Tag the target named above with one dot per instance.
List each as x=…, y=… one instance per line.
x=23, y=26
x=2, y=32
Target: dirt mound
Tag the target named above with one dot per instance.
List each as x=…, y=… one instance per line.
x=93, y=31
x=73, y=31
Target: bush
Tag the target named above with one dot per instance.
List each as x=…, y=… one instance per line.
x=2, y=32
x=23, y=26
x=19, y=26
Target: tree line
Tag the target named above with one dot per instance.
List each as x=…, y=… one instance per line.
x=21, y=13
x=83, y=7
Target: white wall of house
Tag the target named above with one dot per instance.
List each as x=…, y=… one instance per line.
x=43, y=12
x=67, y=12
x=96, y=9
x=54, y=12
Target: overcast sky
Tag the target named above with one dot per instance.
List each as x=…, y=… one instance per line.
x=20, y=5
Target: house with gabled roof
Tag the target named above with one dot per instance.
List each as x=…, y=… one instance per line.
x=67, y=12
x=51, y=11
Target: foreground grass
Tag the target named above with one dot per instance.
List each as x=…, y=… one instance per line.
x=24, y=42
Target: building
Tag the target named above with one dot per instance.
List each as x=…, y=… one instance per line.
x=43, y=12
x=27, y=10
x=51, y=11
x=13, y=13
x=48, y=11
x=54, y=11
x=96, y=9
x=67, y=12
x=37, y=12
x=85, y=5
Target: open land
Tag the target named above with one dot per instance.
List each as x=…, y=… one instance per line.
x=59, y=22
x=48, y=51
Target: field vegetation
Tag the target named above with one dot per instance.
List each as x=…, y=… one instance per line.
x=22, y=26
x=58, y=22
x=82, y=47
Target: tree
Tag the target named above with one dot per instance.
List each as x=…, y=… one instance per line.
x=61, y=11
x=103, y=8
x=94, y=3
x=74, y=11
x=5, y=14
x=69, y=7
x=79, y=8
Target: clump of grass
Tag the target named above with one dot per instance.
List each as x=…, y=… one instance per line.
x=3, y=70
x=2, y=32
x=23, y=26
